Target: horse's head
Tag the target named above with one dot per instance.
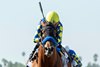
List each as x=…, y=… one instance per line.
x=49, y=44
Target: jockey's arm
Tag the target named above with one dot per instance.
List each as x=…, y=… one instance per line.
x=59, y=33
x=37, y=34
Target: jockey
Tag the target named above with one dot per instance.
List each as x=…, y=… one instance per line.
x=75, y=59
x=52, y=17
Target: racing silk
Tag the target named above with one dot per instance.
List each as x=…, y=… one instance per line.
x=38, y=33
x=59, y=30
x=75, y=57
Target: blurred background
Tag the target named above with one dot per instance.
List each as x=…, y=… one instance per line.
x=19, y=19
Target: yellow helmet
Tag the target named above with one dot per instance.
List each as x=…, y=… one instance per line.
x=52, y=17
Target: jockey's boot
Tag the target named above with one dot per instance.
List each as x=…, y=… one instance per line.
x=31, y=55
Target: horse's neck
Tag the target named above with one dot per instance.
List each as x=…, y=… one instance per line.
x=44, y=61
